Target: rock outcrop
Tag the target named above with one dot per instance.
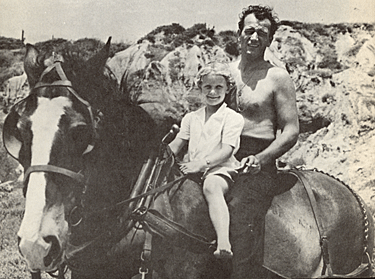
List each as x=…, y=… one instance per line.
x=333, y=70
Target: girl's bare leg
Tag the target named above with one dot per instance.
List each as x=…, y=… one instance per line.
x=214, y=188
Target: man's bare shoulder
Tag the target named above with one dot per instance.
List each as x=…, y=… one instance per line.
x=282, y=83
x=278, y=73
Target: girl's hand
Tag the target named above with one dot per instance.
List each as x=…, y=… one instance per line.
x=192, y=167
x=250, y=165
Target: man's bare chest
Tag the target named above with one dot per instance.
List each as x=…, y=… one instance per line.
x=255, y=100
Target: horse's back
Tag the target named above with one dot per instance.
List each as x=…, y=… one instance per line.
x=292, y=238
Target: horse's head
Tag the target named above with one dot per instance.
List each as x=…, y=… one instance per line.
x=48, y=132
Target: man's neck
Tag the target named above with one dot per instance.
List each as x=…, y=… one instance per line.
x=249, y=64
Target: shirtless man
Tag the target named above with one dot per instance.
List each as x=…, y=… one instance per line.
x=266, y=99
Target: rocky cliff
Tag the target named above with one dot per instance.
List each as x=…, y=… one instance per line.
x=333, y=67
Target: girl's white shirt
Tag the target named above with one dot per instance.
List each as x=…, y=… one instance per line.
x=224, y=126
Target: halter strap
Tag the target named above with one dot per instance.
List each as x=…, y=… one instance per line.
x=50, y=168
x=64, y=82
x=41, y=84
x=56, y=65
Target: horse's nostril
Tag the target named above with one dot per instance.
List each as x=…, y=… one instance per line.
x=54, y=250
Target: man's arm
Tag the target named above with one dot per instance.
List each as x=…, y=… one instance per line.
x=284, y=97
x=287, y=117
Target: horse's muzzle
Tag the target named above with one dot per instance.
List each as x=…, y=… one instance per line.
x=42, y=254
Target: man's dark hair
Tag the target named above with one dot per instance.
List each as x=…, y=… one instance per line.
x=260, y=12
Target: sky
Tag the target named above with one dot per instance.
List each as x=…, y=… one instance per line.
x=129, y=20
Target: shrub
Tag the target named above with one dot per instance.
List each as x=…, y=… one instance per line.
x=6, y=58
x=175, y=69
x=50, y=45
x=10, y=64
x=228, y=36
x=232, y=49
x=200, y=29
x=10, y=43
x=169, y=32
x=329, y=58
x=117, y=47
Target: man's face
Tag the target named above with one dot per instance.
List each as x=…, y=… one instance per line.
x=255, y=37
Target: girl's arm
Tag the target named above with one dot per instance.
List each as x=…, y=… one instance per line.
x=219, y=156
x=177, y=144
x=212, y=160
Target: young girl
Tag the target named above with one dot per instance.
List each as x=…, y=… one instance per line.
x=213, y=134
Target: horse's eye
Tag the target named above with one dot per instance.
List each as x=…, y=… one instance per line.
x=12, y=137
x=80, y=135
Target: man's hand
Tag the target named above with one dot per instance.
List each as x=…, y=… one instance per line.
x=250, y=165
x=192, y=167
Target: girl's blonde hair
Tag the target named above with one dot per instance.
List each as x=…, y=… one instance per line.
x=216, y=68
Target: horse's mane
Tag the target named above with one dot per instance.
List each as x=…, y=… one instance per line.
x=98, y=87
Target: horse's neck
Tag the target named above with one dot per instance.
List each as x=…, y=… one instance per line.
x=124, y=143
x=110, y=172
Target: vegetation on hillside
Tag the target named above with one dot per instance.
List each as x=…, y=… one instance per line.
x=166, y=33
x=12, y=52
x=10, y=43
x=11, y=63
x=324, y=37
x=167, y=37
x=175, y=35
x=86, y=47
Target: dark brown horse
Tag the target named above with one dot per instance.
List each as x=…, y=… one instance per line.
x=73, y=124
x=83, y=147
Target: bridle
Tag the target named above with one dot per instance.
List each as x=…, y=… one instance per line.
x=76, y=176
x=80, y=178
x=64, y=82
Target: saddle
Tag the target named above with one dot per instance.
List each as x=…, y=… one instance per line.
x=157, y=220
x=153, y=211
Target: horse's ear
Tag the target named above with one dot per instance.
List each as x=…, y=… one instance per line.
x=33, y=67
x=98, y=61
